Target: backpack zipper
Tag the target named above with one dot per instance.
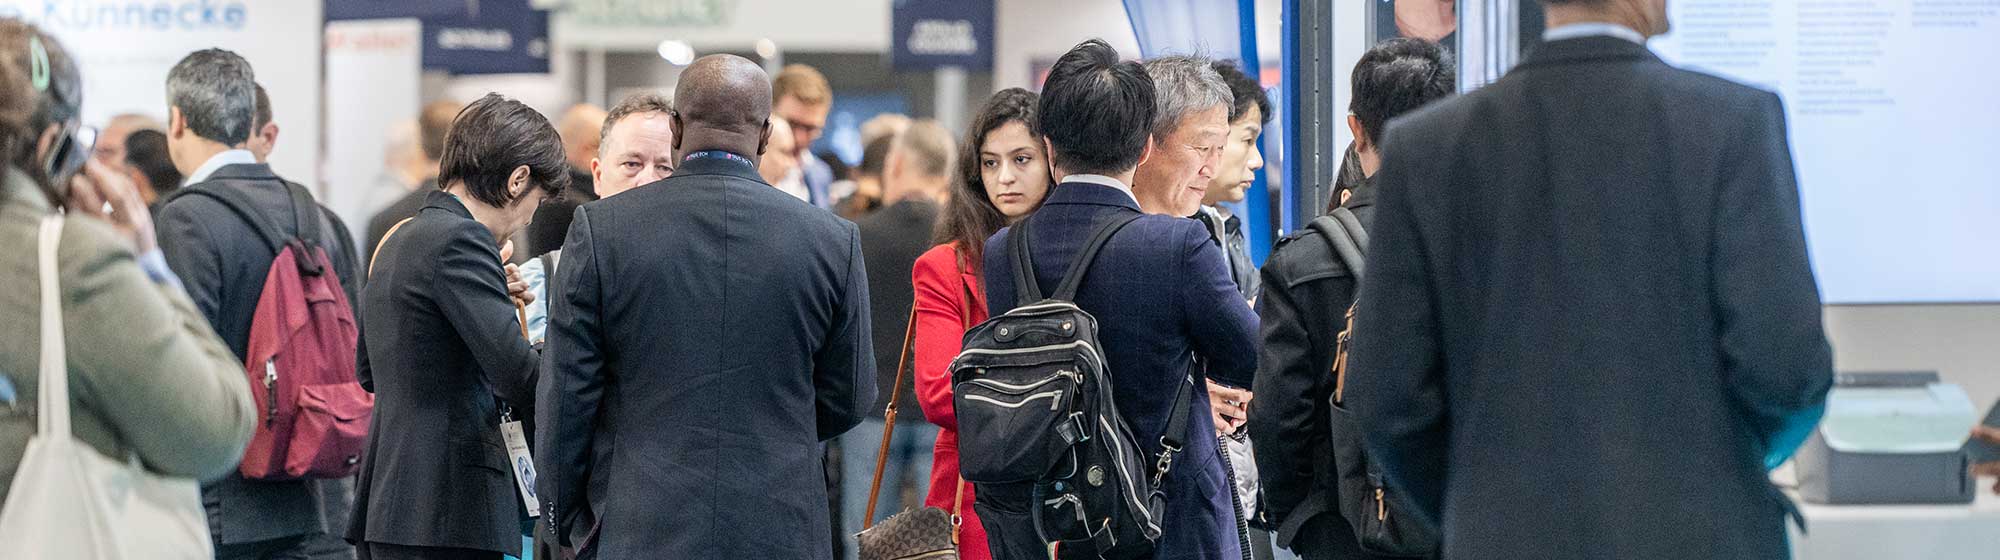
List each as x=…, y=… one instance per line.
x=271, y=389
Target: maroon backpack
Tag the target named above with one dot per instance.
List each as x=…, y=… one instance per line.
x=300, y=358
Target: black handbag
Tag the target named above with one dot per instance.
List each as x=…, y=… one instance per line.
x=927, y=532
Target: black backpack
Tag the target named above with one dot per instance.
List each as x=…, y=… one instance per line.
x=1381, y=521
x=1038, y=431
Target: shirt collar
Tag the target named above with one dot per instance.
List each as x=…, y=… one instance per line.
x=1102, y=180
x=1593, y=29
x=218, y=161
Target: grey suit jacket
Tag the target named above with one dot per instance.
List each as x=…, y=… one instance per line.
x=147, y=375
x=1588, y=312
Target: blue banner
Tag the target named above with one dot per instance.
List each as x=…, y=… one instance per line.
x=1193, y=27
x=498, y=37
x=387, y=9
x=928, y=34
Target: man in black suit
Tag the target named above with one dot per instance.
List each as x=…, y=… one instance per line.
x=431, y=127
x=1307, y=291
x=1589, y=327
x=223, y=263
x=714, y=329
x=915, y=180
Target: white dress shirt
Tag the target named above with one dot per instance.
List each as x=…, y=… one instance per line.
x=1102, y=180
x=1593, y=29
x=229, y=157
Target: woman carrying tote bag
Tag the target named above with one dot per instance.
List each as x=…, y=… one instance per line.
x=115, y=396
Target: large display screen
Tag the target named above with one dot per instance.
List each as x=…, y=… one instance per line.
x=1894, y=108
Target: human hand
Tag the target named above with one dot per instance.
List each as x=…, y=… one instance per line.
x=516, y=287
x=1990, y=435
x=99, y=192
x=1231, y=407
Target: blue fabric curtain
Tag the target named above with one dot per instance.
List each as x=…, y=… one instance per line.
x=1205, y=27
x=1223, y=30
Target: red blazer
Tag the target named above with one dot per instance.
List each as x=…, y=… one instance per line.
x=943, y=312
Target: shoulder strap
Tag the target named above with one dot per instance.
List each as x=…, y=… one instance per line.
x=1175, y=437
x=1027, y=289
x=241, y=208
x=1349, y=239
x=54, y=375
x=305, y=214
x=889, y=417
x=1073, y=278
x=377, y=253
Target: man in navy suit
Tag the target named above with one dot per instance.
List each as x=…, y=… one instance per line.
x=1160, y=290
x=713, y=329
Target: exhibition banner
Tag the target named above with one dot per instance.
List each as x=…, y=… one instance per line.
x=126, y=47
x=928, y=34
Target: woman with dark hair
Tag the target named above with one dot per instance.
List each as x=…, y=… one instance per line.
x=1003, y=176
x=145, y=376
x=443, y=340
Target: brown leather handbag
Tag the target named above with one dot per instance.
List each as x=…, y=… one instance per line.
x=927, y=533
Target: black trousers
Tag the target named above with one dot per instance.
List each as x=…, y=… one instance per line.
x=379, y=551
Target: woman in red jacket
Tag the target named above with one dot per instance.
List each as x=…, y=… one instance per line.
x=1003, y=176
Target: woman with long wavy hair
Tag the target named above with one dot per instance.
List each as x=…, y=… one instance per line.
x=1003, y=176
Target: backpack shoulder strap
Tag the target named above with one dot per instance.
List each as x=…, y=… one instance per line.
x=1350, y=241
x=305, y=214
x=377, y=253
x=238, y=206
x=1073, y=278
x=1027, y=290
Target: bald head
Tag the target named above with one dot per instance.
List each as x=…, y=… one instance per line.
x=723, y=102
x=579, y=130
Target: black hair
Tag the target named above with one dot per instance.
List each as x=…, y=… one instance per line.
x=1396, y=77
x=263, y=115
x=490, y=138
x=1097, y=112
x=875, y=155
x=1245, y=91
x=970, y=217
x=146, y=150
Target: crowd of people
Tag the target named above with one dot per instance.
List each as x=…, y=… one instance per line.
x=1569, y=315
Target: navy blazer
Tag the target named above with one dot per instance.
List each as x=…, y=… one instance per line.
x=715, y=331
x=1588, y=312
x=1162, y=296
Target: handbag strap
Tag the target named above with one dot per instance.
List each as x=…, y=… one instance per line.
x=889, y=419
x=965, y=321
x=54, y=378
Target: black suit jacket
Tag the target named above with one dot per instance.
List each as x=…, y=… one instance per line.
x=222, y=262
x=893, y=238
x=1307, y=290
x=445, y=343
x=715, y=330
x=397, y=211
x=1588, y=312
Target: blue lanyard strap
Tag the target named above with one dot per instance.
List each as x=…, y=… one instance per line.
x=719, y=154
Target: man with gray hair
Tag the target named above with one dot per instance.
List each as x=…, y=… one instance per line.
x=1190, y=127
x=223, y=260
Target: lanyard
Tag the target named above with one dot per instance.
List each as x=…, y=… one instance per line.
x=719, y=154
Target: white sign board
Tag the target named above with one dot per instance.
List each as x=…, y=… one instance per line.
x=125, y=49
x=373, y=70
x=710, y=25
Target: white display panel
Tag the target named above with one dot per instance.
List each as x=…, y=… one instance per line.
x=1894, y=109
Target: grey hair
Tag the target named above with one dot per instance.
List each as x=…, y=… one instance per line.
x=216, y=93
x=1185, y=84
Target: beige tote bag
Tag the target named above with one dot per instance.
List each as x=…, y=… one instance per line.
x=68, y=500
